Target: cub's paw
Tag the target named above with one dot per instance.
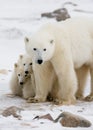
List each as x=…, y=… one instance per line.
x=89, y=98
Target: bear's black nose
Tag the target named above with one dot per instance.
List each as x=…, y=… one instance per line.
x=26, y=72
x=21, y=83
x=39, y=61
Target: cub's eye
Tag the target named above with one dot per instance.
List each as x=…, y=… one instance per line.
x=25, y=75
x=44, y=49
x=18, y=74
x=34, y=49
x=24, y=64
x=30, y=63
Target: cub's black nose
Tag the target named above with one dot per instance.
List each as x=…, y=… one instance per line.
x=26, y=72
x=39, y=61
x=21, y=83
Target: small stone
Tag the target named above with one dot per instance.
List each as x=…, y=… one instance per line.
x=47, y=116
x=80, y=111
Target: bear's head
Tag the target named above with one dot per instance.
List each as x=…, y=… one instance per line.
x=21, y=76
x=40, y=47
x=26, y=63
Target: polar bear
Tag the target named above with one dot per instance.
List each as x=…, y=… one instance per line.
x=68, y=45
x=81, y=73
x=21, y=83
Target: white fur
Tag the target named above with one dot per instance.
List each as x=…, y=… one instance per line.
x=26, y=62
x=82, y=75
x=45, y=80
x=72, y=47
x=28, y=88
x=14, y=83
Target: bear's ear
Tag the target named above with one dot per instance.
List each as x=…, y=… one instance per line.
x=15, y=65
x=26, y=39
x=51, y=41
x=21, y=56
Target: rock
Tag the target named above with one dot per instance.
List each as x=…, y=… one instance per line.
x=47, y=116
x=67, y=119
x=49, y=15
x=12, y=111
x=71, y=120
x=63, y=14
x=59, y=14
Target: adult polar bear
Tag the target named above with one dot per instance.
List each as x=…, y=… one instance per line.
x=67, y=45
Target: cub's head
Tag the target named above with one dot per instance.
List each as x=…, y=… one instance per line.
x=26, y=62
x=21, y=76
x=40, y=47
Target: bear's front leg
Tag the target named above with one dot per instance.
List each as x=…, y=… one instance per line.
x=82, y=74
x=40, y=96
x=42, y=83
x=64, y=69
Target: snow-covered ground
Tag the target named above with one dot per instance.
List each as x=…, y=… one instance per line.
x=19, y=18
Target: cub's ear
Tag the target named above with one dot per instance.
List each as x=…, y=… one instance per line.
x=15, y=65
x=21, y=56
x=51, y=41
x=26, y=39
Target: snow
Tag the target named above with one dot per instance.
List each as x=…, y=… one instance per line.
x=19, y=18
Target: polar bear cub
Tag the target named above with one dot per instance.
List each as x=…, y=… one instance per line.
x=21, y=83
x=15, y=85
x=67, y=47
x=26, y=62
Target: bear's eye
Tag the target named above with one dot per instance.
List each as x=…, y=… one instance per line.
x=30, y=63
x=44, y=49
x=25, y=75
x=24, y=64
x=34, y=49
x=18, y=74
